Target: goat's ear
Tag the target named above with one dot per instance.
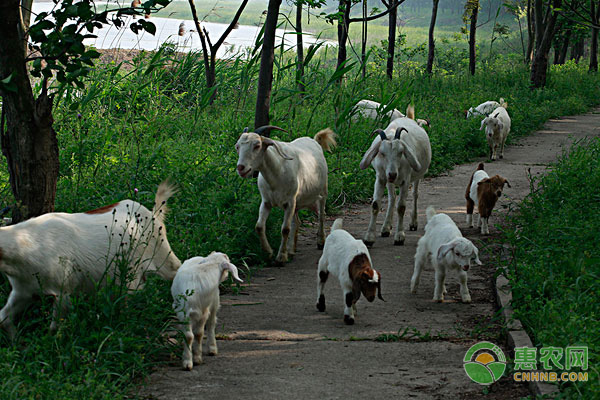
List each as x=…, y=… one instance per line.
x=486, y=180
x=483, y=122
x=506, y=182
x=477, y=260
x=270, y=142
x=227, y=266
x=443, y=250
x=412, y=159
x=370, y=155
x=356, y=289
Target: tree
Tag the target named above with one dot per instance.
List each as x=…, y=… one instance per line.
x=299, y=48
x=392, y=19
x=545, y=16
x=28, y=139
x=209, y=50
x=431, y=54
x=471, y=12
x=595, y=19
x=265, y=74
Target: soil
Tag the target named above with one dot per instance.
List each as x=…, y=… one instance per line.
x=276, y=345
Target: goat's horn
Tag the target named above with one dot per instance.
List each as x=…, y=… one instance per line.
x=268, y=127
x=381, y=133
x=399, y=132
x=245, y=130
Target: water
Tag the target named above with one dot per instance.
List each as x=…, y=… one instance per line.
x=238, y=41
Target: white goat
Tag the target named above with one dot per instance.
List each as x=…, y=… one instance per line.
x=58, y=254
x=349, y=260
x=444, y=247
x=486, y=108
x=400, y=159
x=195, y=292
x=371, y=110
x=497, y=128
x=292, y=176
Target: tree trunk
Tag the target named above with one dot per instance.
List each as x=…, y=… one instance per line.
x=299, y=49
x=431, y=54
x=545, y=29
x=393, y=17
x=363, y=52
x=595, y=16
x=472, y=32
x=342, y=28
x=265, y=74
x=530, y=33
x=28, y=142
x=562, y=56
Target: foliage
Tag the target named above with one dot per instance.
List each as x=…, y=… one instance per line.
x=555, y=268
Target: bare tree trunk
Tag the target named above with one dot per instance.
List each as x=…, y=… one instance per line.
x=545, y=29
x=595, y=16
x=299, y=49
x=29, y=142
x=562, y=52
x=342, y=28
x=265, y=74
x=431, y=54
x=530, y=33
x=472, y=32
x=363, y=53
x=393, y=17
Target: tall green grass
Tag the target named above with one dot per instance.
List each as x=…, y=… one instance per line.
x=555, y=268
x=135, y=125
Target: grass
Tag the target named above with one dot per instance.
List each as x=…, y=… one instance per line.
x=132, y=127
x=555, y=268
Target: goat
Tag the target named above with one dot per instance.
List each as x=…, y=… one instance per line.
x=349, y=260
x=497, y=128
x=444, y=247
x=400, y=159
x=59, y=254
x=292, y=176
x=371, y=110
x=486, y=108
x=195, y=292
x=483, y=192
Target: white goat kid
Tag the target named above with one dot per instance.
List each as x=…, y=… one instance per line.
x=444, y=247
x=497, y=128
x=293, y=176
x=400, y=156
x=58, y=254
x=486, y=108
x=195, y=292
x=372, y=110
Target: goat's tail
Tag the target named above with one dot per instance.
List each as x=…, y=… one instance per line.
x=430, y=212
x=503, y=103
x=410, y=111
x=326, y=138
x=337, y=224
x=163, y=193
x=480, y=167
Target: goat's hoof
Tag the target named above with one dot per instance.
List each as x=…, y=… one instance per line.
x=348, y=320
x=466, y=299
x=412, y=227
x=438, y=300
x=501, y=157
x=320, y=246
x=278, y=263
x=385, y=234
x=198, y=360
x=321, y=304
x=368, y=243
x=399, y=242
x=188, y=365
x=213, y=352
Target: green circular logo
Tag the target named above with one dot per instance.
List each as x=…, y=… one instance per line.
x=489, y=364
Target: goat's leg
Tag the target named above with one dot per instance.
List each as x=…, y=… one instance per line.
x=464, y=290
x=414, y=223
x=502, y=147
x=288, y=214
x=420, y=261
x=187, y=362
x=400, y=236
x=211, y=325
x=485, y=230
x=470, y=207
x=386, y=228
x=369, y=237
x=322, y=275
x=199, y=322
x=321, y=232
x=294, y=242
x=59, y=309
x=15, y=304
x=440, y=282
x=261, y=224
x=349, y=306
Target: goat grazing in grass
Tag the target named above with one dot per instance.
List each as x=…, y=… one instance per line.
x=349, y=260
x=195, y=292
x=486, y=108
x=59, y=254
x=371, y=109
x=292, y=176
x=400, y=156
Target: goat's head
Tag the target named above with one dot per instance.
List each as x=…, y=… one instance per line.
x=495, y=184
x=492, y=125
x=459, y=252
x=390, y=151
x=251, y=148
x=365, y=279
x=469, y=113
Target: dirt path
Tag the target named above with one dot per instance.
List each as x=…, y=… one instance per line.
x=280, y=347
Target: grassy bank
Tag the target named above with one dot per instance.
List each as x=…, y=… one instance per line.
x=132, y=128
x=555, y=270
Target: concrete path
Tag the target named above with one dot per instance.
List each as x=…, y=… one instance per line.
x=276, y=345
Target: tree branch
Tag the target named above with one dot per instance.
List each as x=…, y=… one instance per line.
x=230, y=27
x=373, y=17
